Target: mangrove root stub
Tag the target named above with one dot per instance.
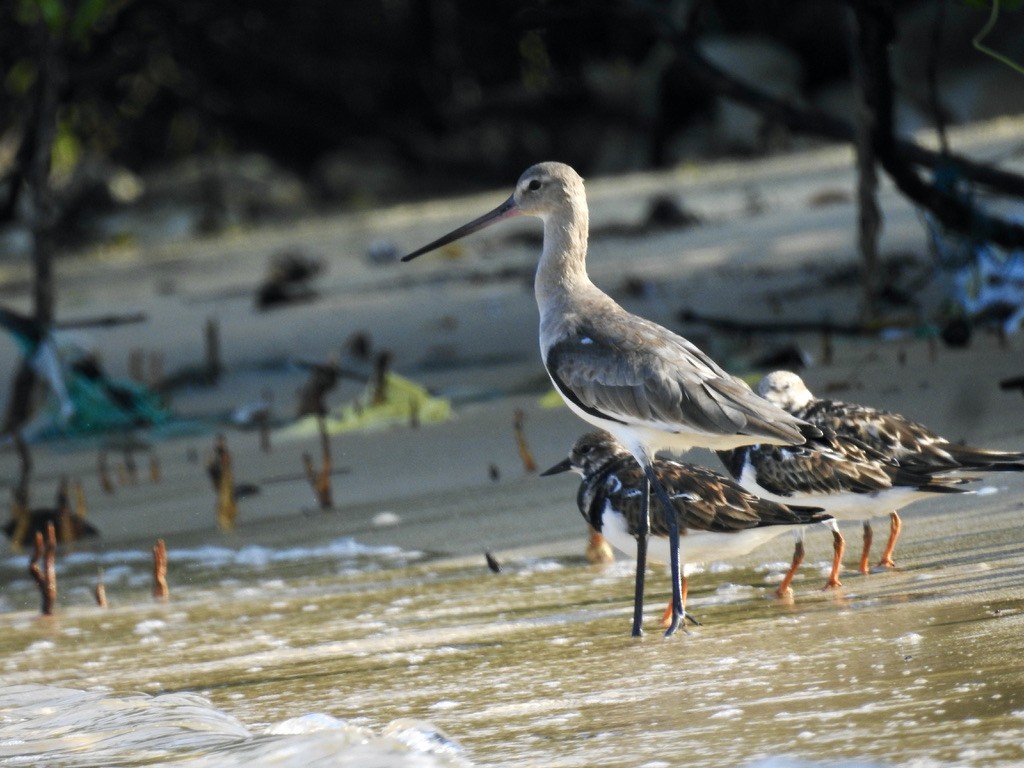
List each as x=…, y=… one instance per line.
x=160, y=589
x=45, y=577
x=100, y=592
x=529, y=465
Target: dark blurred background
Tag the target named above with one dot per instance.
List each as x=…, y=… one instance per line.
x=326, y=104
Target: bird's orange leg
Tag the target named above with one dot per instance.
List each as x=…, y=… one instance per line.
x=895, y=524
x=864, y=565
x=666, y=618
x=784, y=590
x=838, y=547
x=599, y=551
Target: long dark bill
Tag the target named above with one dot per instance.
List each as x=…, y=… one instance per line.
x=506, y=210
x=562, y=466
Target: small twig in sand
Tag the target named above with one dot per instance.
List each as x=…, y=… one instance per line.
x=45, y=577
x=213, y=363
x=222, y=473
x=380, y=378
x=100, y=592
x=492, y=562
x=160, y=590
x=154, y=468
x=529, y=465
x=320, y=480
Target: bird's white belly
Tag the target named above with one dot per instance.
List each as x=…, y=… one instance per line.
x=695, y=547
x=843, y=505
x=662, y=436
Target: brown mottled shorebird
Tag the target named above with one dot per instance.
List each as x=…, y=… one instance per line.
x=650, y=388
x=893, y=435
x=847, y=478
x=717, y=518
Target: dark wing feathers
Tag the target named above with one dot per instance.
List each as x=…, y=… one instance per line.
x=822, y=466
x=703, y=500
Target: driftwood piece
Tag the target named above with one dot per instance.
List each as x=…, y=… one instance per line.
x=214, y=367
x=160, y=589
x=100, y=592
x=45, y=552
x=380, y=378
x=320, y=479
x=529, y=465
x=221, y=470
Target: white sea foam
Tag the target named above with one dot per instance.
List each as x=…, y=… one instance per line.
x=117, y=563
x=45, y=724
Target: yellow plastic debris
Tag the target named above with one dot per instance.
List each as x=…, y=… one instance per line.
x=401, y=401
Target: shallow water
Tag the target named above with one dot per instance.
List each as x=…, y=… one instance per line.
x=342, y=654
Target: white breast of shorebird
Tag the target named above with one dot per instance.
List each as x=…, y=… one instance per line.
x=695, y=547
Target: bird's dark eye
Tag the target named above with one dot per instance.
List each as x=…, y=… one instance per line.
x=585, y=449
x=534, y=185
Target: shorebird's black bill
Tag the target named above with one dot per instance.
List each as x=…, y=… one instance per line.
x=562, y=466
x=506, y=210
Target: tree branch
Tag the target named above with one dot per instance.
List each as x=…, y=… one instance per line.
x=818, y=123
x=874, y=34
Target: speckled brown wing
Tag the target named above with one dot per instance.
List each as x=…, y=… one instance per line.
x=909, y=442
x=829, y=465
x=703, y=500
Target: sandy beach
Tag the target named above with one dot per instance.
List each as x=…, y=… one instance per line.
x=463, y=324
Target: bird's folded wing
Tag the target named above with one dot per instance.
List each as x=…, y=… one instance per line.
x=665, y=385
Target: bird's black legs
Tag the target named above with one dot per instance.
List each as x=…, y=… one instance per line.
x=641, y=561
x=673, y=546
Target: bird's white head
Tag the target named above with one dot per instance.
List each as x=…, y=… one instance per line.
x=543, y=189
x=785, y=389
x=547, y=187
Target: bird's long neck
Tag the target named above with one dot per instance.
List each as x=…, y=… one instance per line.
x=562, y=271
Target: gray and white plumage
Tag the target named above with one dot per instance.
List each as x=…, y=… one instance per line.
x=649, y=387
